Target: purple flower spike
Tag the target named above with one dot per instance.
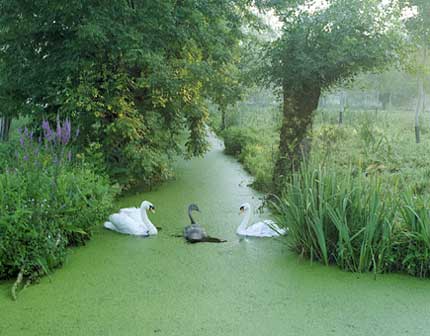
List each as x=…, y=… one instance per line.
x=21, y=141
x=25, y=158
x=65, y=132
x=47, y=132
x=58, y=130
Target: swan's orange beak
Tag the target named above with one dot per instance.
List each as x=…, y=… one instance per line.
x=241, y=211
x=152, y=209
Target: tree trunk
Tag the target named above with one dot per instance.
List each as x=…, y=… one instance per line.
x=420, y=101
x=294, y=146
x=223, y=119
x=4, y=128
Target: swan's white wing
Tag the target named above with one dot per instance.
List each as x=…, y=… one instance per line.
x=262, y=229
x=134, y=214
x=129, y=209
x=126, y=224
x=274, y=227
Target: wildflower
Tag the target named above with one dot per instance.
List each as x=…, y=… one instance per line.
x=65, y=132
x=47, y=132
x=58, y=129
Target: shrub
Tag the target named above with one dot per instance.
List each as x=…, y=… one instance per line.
x=47, y=203
x=258, y=160
x=254, y=151
x=236, y=139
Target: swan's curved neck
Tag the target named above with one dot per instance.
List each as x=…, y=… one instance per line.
x=144, y=215
x=245, y=220
x=145, y=219
x=191, y=217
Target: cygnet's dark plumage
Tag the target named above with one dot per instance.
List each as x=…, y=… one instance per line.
x=194, y=233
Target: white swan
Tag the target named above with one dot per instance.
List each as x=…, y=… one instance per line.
x=140, y=216
x=133, y=221
x=266, y=228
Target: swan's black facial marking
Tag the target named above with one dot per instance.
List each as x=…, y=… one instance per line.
x=241, y=209
x=152, y=208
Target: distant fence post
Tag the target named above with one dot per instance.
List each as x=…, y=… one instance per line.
x=342, y=107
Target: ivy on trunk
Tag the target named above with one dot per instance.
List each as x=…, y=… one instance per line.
x=294, y=146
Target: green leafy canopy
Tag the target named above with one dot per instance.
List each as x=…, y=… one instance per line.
x=134, y=75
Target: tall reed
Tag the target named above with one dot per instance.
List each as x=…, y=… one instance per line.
x=413, y=244
x=336, y=217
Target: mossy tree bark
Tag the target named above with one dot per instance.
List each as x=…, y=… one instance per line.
x=294, y=146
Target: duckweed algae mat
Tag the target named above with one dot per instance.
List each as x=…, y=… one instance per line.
x=122, y=285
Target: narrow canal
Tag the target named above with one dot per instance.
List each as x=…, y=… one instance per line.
x=122, y=285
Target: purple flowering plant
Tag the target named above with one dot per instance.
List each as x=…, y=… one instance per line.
x=51, y=149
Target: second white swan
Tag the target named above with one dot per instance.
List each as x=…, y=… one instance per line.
x=266, y=228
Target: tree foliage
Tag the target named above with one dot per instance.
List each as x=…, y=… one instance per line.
x=132, y=74
x=333, y=44
x=319, y=48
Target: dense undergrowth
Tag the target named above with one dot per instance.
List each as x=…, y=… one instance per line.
x=361, y=200
x=49, y=201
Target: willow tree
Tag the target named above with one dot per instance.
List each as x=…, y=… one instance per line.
x=134, y=75
x=318, y=49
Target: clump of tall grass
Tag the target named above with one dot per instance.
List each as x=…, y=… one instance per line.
x=413, y=244
x=337, y=218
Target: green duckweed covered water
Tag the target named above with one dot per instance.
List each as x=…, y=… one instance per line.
x=122, y=285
